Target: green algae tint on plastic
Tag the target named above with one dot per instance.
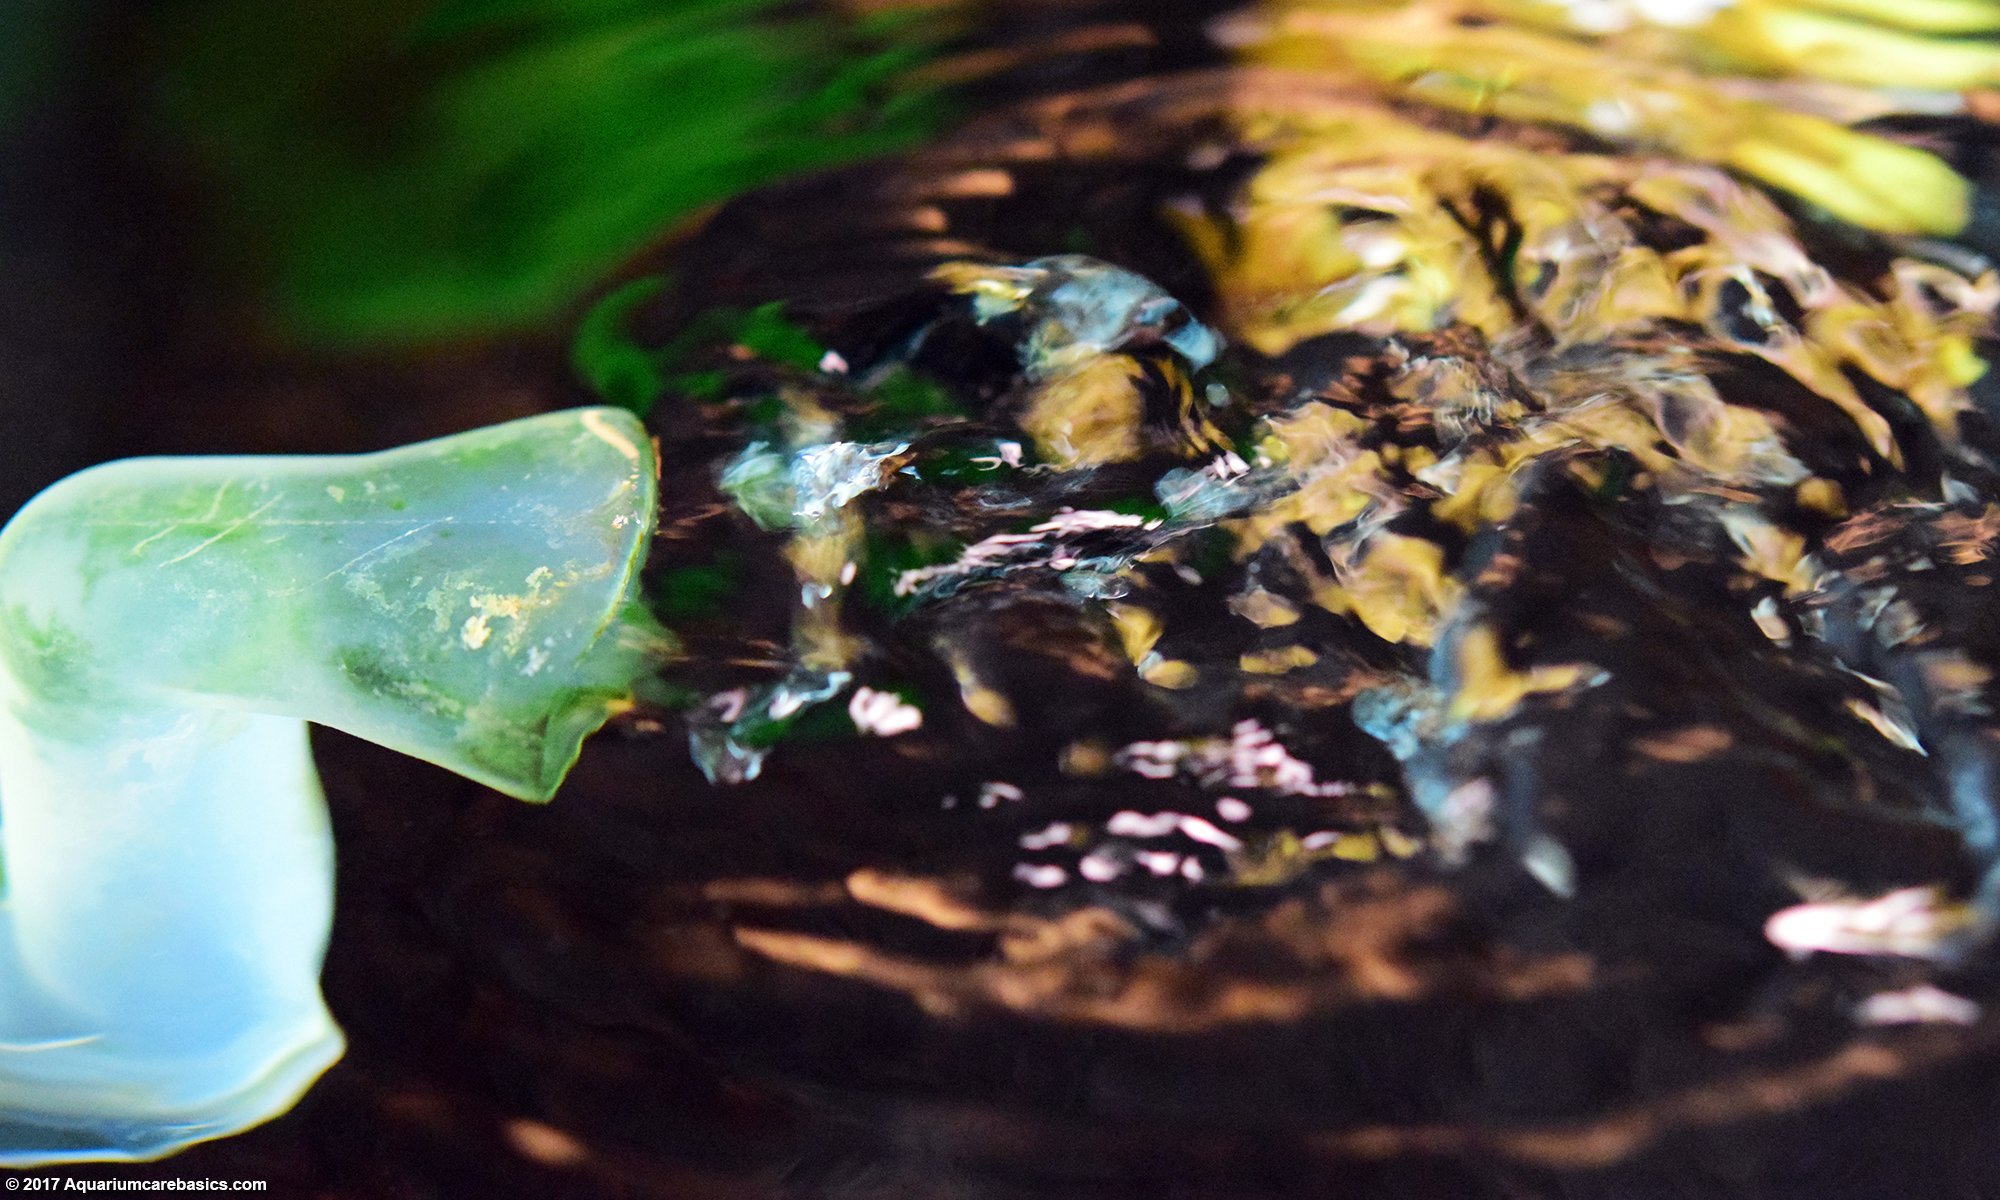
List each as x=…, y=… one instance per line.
x=167, y=628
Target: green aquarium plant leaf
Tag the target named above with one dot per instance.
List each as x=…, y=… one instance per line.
x=167, y=629
x=607, y=358
x=622, y=370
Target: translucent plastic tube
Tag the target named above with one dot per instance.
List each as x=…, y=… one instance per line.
x=167, y=628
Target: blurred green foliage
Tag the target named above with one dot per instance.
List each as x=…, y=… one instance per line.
x=609, y=360
x=625, y=372
x=396, y=173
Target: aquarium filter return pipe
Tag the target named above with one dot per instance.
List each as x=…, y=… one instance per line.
x=167, y=629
